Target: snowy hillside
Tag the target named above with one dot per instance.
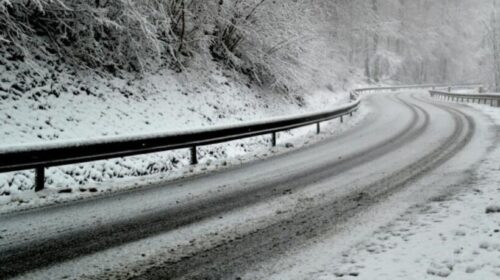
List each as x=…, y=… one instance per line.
x=47, y=103
x=51, y=101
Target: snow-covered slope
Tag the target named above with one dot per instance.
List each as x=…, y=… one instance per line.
x=52, y=101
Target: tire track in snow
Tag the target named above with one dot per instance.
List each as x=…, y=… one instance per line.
x=226, y=260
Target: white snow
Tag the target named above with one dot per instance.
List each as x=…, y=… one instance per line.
x=455, y=236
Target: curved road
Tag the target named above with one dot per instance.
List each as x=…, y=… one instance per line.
x=227, y=223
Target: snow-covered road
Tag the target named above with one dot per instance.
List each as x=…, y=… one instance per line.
x=285, y=217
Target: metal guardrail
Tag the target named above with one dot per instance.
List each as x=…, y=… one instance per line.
x=357, y=92
x=423, y=86
x=40, y=157
x=493, y=100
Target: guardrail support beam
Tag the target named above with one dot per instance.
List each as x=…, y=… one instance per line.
x=39, y=178
x=341, y=119
x=273, y=139
x=318, y=128
x=194, y=156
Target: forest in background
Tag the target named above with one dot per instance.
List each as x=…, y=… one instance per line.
x=285, y=45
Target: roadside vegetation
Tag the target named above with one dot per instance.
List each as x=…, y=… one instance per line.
x=284, y=45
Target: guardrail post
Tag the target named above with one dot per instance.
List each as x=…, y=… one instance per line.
x=318, y=128
x=194, y=156
x=273, y=139
x=39, y=178
x=341, y=119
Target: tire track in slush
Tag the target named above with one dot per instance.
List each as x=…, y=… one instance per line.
x=226, y=260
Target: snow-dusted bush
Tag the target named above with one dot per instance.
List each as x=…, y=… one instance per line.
x=276, y=43
x=120, y=33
